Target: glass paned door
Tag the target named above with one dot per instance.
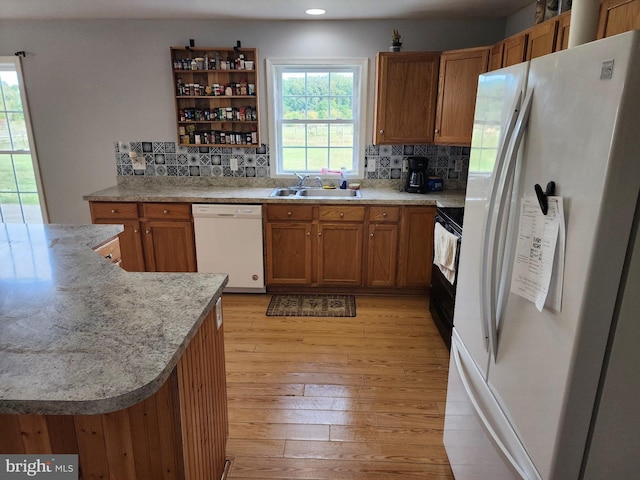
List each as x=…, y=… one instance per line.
x=21, y=199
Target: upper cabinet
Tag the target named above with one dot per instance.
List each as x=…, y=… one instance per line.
x=459, y=71
x=495, y=56
x=562, y=37
x=542, y=39
x=216, y=96
x=515, y=49
x=617, y=16
x=406, y=92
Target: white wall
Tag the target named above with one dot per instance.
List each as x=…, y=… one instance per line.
x=91, y=83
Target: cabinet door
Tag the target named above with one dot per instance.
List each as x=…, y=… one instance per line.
x=125, y=214
x=515, y=50
x=340, y=254
x=406, y=90
x=459, y=72
x=416, y=247
x=562, y=37
x=382, y=255
x=495, y=56
x=169, y=246
x=542, y=39
x=288, y=253
x=618, y=16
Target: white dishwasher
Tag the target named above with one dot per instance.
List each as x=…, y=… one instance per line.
x=229, y=240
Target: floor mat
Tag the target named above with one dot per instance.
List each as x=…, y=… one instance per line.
x=312, y=306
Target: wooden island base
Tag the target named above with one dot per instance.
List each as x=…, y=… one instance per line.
x=179, y=432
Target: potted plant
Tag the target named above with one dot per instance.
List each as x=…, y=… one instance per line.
x=396, y=44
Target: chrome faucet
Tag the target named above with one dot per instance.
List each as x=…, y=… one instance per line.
x=301, y=179
x=319, y=182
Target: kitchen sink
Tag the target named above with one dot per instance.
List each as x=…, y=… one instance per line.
x=315, y=193
x=283, y=192
x=327, y=192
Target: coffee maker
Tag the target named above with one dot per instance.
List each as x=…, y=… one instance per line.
x=417, y=175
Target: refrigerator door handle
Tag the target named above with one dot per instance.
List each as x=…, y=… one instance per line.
x=491, y=275
x=495, y=437
x=485, y=310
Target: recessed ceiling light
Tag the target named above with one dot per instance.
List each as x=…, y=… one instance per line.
x=315, y=11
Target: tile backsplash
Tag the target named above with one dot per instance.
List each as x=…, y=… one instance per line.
x=172, y=160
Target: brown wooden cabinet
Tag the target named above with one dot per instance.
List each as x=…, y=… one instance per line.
x=288, y=233
x=618, y=16
x=169, y=244
x=416, y=247
x=157, y=237
x=382, y=249
x=515, y=49
x=542, y=39
x=216, y=95
x=323, y=247
x=340, y=245
x=125, y=214
x=459, y=70
x=496, y=56
x=406, y=92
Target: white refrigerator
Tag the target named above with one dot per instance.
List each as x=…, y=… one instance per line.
x=551, y=393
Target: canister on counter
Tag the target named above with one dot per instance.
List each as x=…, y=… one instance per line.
x=434, y=184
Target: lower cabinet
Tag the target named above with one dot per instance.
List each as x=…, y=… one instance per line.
x=324, y=246
x=157, y=237
x=416, y=247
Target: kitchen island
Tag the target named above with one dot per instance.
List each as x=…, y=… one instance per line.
x=124, y=369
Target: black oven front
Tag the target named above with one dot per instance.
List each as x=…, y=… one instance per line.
x=443, y=293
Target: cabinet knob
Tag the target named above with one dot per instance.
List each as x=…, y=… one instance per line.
x=113, y=210
x=136, y=231
x=341, y=214
x=308, y=234
x=147, y=232
x=384, y=214
x=165, y=211
x=319, y=234
x=381, y=131
x=289, y=214
x=371, y=234
x=437, y=131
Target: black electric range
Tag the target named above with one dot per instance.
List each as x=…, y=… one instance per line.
x=443, y=292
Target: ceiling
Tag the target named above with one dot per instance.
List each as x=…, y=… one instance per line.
x=255, y=9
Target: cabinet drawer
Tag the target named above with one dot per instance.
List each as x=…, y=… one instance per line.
x=110, y=250
x=167, y=211
x=384, y=214
x=290, y=212
x=114, y=210
x=340, y=213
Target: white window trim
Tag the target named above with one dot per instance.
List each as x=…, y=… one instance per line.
x=360, y=90
x=15, y=60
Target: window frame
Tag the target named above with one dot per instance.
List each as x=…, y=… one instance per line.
x=360, y=66
x=17, y=65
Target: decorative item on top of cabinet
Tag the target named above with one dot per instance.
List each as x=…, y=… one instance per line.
x=406, y=92
x=396, y=44
x=618, y=16
x=216, y=95
x=459, y=71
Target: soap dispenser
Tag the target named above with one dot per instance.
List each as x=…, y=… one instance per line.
x=343, y=178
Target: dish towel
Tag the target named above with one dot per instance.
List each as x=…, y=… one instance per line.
x=445, y=246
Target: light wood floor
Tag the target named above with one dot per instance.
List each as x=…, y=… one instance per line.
x=335, y=398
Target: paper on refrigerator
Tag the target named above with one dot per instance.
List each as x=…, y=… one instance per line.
x=539, y=264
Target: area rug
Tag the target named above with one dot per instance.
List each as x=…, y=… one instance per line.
x=312, y=306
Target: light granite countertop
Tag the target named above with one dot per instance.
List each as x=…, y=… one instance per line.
x=154, y=192
x=79, y=335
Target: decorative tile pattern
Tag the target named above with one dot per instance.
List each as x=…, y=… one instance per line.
x=170, y=159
